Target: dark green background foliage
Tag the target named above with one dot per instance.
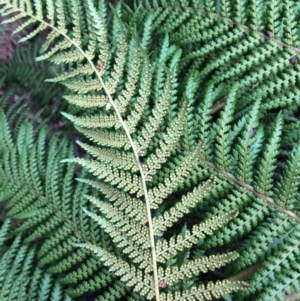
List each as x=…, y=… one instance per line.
x=179, y=127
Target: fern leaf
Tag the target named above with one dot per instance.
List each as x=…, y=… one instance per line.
x=105, y=138
x=179, y=209
x=166, y=249
x=130, y=75
x=208, y=292
x=172, y=275
x=157, y=194
x=120, y=178
x=94, y=121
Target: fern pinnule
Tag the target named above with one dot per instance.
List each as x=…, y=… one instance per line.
x=122, y=179
x=135, y=115
x=127, y=225
x=131, y=206
x=290, y=35
x=281, y=264
x=160, y=110
x=206, y=291
x=116, y=158
x=255, y=15
x=190, y=135
x=128, y=273
x=87, y=101
x=166, y=145
x=5, y=132
x=131, y=245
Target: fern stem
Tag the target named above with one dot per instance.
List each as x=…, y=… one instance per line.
x=252, y=190
x=292, y=297
x=246, y=274
x=218, y=105
x=143, y=178
x=136, y=156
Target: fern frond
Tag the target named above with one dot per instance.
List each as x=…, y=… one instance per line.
x=40, y=190
x=206, y=292
x=154, y=89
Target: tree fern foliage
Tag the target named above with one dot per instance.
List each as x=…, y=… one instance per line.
x=187, y=113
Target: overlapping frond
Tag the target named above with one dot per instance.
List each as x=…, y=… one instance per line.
x=254, y=139
x=43, y=197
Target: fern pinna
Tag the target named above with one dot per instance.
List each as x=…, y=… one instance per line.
x=151, y=81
